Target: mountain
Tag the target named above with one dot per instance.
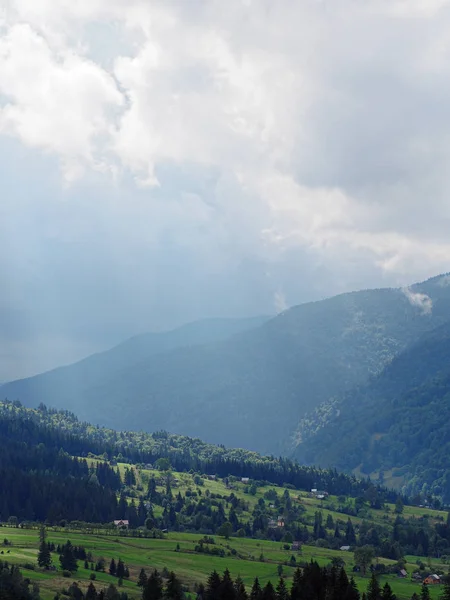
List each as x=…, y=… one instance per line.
x=252, y=389
x=397, y=426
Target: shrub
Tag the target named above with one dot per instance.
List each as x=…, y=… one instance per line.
x=66, y=574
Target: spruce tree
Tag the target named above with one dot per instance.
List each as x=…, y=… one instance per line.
x=297, y=585
x=91, y=592
x=154, y=587
x=142, y=579
x=446, y=591
x=373, y=589
x=387, y=593
x=67, y=558
x=44, y=557
x=281, y=591
x=352, y=592
x=75, y=592
x=173, y=590
x=239, y=587
x=256, y=591
x=120, y=570
x=268, y=592
x=226, y=589
x=112, y=567
x=424, y=592
x=112, y=593
x=212, y=586
x=350, y=536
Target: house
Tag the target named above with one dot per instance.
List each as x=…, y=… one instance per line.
x=314, y=491
x=296, y=546
x=321, y=494
x=122, y=523
x=345, y=548
x=402, y=573
x=432, y=579
x=274, y=524
x=245, y=479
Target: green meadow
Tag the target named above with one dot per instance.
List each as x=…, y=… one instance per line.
x=248, y=558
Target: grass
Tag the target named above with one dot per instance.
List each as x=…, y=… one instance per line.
x=250, y=558
x=190, y=566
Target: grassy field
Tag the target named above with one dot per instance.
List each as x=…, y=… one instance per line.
x=190, y=566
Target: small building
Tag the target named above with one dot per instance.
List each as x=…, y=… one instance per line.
x=212, y=477
x=272, y=524
x=402, y=573
x=122, y=523
x=296, y=546
x=345, y=548
x=280, y=522
x=320, y=496
x=245, y=479
x=432, y=579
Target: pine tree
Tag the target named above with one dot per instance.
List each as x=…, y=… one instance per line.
x=112, y=593
x=240, y=591
x=350, y=536
x=256, y=591
x=373, y=589
x=268, y=592
x=281, y=591
x=91, y=592
x=297, y=585
x=387, y=593
x=142, y=579
x=446, y=591
x=67, y=558
x=352, y=592
x=173, y=590
x=44, y=557
x=120, y=570
x=75, y=592
x=424, y=592
x=226, y=589
x=212, y=586
x=154, y=588
x=112, y=567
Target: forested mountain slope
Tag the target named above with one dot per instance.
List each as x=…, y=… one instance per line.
x=399, y=421
x=38, y=450
x=252, y=389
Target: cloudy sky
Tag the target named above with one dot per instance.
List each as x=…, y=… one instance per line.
x=167, y=160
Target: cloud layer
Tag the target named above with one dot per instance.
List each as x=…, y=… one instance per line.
x=167, y=160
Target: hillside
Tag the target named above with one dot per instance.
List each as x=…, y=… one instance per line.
x=197, y=516
x=252, y=389
x=396, y=427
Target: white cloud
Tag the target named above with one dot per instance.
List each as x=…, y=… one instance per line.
x=422, y=301
x=308, y=140
x=59, y=102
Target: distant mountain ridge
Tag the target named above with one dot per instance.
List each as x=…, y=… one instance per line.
x=250, y=389
x=396, y=426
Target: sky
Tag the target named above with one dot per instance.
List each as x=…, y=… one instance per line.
x=163, y=161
